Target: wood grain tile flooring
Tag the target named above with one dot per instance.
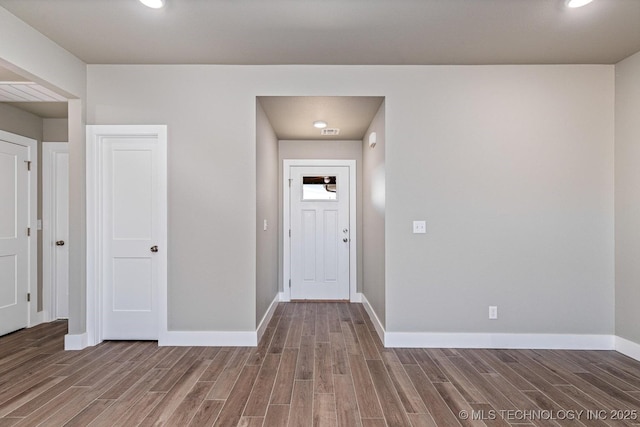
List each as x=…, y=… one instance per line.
x=318, y=364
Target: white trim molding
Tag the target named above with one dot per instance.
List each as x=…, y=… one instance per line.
x=262, y=327
x=628, y=348
x=76, y=341
x=373, y=316
x=493, y=340
x=286, y=220
x=498, y=340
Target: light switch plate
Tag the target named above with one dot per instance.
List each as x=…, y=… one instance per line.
x=419, y=227
x=493, y=312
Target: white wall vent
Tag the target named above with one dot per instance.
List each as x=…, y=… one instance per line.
x=330, y=132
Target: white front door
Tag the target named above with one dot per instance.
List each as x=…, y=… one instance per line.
x=320, y=235
x=132, y=207
x=14, y=245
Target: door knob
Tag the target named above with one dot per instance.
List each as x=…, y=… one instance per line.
x=60, y=243
x=345, y=240
x=344, y=230
x=154, y=249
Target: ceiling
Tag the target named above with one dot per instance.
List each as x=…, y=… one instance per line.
x=292, y=117
x=399, y=32
x=338, y=31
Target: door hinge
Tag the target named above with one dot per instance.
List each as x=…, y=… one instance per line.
x=28, y=162
x=289, y=282
x=29, y=297
x=28, y=231
x=290, y=179
x=289, y=232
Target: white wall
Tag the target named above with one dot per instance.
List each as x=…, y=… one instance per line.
x=373, y=206
x=20, y=122
x=55, y=130
x=267, y=186
x=627, y=155
x=511, y=166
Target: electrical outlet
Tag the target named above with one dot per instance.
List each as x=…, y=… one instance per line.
x=493, y=312
x=419, y=227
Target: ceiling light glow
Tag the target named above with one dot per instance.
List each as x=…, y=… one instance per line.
x=154, y=4
x=320, y=124
x=577, y=3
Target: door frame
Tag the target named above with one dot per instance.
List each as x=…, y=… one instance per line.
x=33, y=316
x=49, y=202
x=95, y=210
x=286, y=222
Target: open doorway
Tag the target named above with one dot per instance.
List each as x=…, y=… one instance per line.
x=285, y=132
x=31, y=110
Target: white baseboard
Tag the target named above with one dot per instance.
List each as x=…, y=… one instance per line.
x=494, y=340
x=282, y=298
x=628, y=348
x=374, y=317
x=357, y=297
x=498, y=340
x=76, y=341
x=267, y=317
x=209, y=339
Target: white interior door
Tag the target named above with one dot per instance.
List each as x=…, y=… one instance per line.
x=320, y=235
x=61, y=227
x=131, y=229
x=55, y=231
x=14, y=245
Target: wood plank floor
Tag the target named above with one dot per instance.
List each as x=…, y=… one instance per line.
x=319, y=364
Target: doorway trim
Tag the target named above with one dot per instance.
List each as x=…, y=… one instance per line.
x=33, y=316
x=48, y=216
x=286, y=222
x=96, y=134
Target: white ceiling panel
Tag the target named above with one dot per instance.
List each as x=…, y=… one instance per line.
x=27, y=92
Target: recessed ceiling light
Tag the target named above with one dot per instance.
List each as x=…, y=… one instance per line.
x=154, y=4
x=577, y=3
x=320, y=124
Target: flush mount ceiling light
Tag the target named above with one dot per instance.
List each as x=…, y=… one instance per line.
x=320, y=124
x=577, y=3
x=154, y=4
